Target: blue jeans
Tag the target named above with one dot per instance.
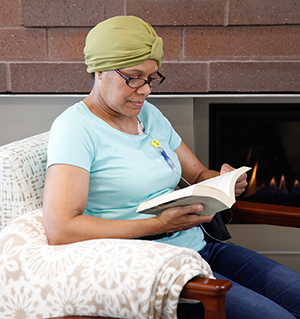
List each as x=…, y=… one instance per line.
x=262, y=288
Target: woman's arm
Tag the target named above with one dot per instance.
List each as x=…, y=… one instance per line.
x=194, y=171
x=65, y=198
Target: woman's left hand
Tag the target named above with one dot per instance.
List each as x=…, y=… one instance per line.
x=241, y=182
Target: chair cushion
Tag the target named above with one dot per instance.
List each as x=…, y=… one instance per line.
x=22, y=176
x=105, y=277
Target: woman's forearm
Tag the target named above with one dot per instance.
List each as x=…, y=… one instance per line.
x=83, y=227
x=207, y=174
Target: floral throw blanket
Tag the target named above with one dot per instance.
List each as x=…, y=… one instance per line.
x=105, y=277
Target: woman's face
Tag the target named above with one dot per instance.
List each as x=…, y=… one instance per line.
x=116, y=97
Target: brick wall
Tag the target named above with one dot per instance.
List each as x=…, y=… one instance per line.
x=210, y=45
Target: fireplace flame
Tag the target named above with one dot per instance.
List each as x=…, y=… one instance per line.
x=252, y=183
x=282, y=186
x=296, y=188
x=266, y=188
x=273, y=183
x=273, y=186
x=273, y=189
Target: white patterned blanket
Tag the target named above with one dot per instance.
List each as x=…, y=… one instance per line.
x=105, y=277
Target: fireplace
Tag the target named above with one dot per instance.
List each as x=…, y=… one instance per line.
x=264, y=136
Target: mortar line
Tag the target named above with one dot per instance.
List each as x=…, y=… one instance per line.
x=226, y=13
x=8, y=78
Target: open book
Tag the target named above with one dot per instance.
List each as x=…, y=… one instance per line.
x=216, y=194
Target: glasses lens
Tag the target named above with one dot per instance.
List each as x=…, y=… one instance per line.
x=135, y=83
x=156, y=82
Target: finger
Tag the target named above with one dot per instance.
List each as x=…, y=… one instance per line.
x=226, y=168
x=193, y=209
x=241, y=184
x=195, y=220
x=239, y=190
x=207, y=218
x=242, y=178
x=180, y=211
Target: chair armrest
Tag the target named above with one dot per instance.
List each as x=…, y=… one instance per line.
x=198, y=287
x=211, y=292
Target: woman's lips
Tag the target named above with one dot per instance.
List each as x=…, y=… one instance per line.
x=137, y=104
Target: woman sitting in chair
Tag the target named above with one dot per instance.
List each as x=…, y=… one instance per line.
x=101, y=166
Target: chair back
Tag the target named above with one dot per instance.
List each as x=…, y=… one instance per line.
x=22, y=176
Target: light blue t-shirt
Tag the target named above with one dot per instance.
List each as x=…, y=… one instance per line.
x=125, y=169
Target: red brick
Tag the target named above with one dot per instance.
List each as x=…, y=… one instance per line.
x=10, y=13
x=67, y=44
x=22, y=44
x=69, y=12
x=172, y=42
x=184, y=78
x=50, y=78
x=264, y=12
x=223, y=42
x=3, y=84
x=178, y=12
x=255, y=77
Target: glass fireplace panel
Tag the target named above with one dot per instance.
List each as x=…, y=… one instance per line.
x=265, y=137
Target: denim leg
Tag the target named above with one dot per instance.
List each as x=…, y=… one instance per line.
x=241, y=303
x=267, y=282
x=244, y=303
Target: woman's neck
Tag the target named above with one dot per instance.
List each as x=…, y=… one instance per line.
x=122, y=123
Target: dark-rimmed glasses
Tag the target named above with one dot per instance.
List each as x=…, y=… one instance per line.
x=136, y=83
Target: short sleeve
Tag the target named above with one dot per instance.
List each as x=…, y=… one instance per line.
x=71, y=141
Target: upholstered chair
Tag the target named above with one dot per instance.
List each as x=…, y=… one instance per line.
x=97, y=278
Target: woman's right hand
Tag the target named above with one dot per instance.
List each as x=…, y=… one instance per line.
x=182, y=218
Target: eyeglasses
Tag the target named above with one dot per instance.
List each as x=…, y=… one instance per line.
x=136, y=83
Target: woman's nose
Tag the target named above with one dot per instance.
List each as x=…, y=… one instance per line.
x=145, y=89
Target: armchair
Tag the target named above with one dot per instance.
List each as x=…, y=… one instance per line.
x=106, y=277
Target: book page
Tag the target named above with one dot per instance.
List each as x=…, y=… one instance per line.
x=224, y=182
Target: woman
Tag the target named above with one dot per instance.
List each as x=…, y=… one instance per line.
x=101, y=166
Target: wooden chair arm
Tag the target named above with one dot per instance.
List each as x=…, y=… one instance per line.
x=211, y=292
x=198, y=287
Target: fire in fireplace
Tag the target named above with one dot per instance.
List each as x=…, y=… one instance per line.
x=265, y=137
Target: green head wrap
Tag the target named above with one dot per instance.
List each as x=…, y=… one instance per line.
x=121, y=42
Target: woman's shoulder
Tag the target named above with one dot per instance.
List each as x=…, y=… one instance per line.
x=73, y=123
x=74, y=116
x=75, y=111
